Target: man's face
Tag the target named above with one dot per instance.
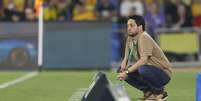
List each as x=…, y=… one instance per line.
x=132, y=27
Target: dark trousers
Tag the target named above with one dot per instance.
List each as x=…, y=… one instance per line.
x=148, y=78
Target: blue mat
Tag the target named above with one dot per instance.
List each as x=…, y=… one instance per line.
x=198, y=87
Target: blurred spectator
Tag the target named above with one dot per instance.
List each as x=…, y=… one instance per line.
x=177, y=14
x=154, y=17
x=29, y=4
x=62, y=9
x=58, y=10
x=185, y=14
x=30, y=15
x=50, y=10
x=187, y=2
x=1, y=11
x=105, y=10
x=196, y=11
x=90, y=4
x=14, y=10
x=29, y=10
x=170, y=12
x=82, y=14
x=130, y=7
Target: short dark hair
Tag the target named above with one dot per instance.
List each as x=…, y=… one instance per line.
x=139, y=20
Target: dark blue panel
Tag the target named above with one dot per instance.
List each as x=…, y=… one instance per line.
x=77, y=45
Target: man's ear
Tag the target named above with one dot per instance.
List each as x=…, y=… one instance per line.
x=140, y=27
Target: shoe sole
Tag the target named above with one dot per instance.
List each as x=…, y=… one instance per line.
x=150, y=100
x=164, y=99
x=140, y=100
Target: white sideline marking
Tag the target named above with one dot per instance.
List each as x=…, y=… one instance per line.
x=77, y=96
x=18, y=80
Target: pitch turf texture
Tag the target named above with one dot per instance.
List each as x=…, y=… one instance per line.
x=60, y=85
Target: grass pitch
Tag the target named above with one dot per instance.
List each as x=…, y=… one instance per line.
x=61, y=85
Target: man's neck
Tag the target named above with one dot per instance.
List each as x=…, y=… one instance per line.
x=141, y=31
x=136, y=34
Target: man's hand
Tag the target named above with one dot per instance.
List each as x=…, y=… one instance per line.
x=122, y=76
x=123, y=66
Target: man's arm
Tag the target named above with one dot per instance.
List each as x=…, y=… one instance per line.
x=125, y=60
x=146, y=48
x=123, y=75
x=142, y=61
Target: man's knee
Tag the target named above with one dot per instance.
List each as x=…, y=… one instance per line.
x=144, y=70
x=132, y=77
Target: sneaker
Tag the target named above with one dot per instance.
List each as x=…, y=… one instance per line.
x=157, y=97
x=165, y=96
x=146, y=95
x=152, y=97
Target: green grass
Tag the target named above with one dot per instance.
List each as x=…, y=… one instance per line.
x=6, y=76
x=60, y=85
